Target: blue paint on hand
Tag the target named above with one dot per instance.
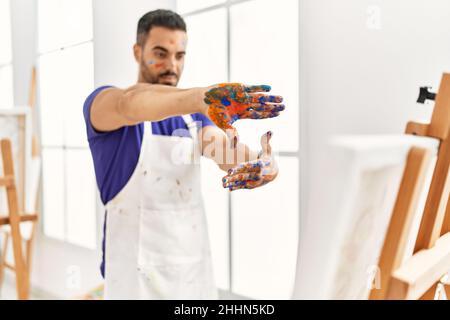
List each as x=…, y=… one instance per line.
x=225, y=102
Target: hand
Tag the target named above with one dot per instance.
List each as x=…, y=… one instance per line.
x=255, y=173
x=229, y=102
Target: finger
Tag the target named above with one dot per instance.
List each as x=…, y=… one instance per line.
x=255, y=176
x=266, y=107
x=243, y=185
x=246, y=167
x=259, y=115
x=258, y=88
x=236, y=187
x=265, y=143
x=207, y=99
x=262, y=98
x=235, y=184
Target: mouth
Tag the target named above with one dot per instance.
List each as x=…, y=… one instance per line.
x=168, y=77
x=170, y=80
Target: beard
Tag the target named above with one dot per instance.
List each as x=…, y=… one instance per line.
x=160, y=78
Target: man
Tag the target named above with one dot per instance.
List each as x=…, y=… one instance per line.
x=143, y=141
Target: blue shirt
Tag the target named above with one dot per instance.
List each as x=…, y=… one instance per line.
x=116, y=153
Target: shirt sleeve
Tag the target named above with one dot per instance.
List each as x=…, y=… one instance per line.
x=205, y=121
x=91, y=132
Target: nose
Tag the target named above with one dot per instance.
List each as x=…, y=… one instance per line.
x=172, y=64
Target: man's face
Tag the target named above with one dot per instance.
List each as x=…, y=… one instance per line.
x=161, y=59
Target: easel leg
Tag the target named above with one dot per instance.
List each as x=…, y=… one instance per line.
x=447, y=291
x=22, y=279
x=401, y=219
x=22, y=283
x=29, y=255
x=446, y=224
x=433, y=219
x=3, y=259
x=431, y=293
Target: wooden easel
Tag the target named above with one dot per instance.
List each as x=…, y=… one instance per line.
x=419, y=276
x=21, y=263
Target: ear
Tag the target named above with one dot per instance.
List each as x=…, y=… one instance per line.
x=137, y=50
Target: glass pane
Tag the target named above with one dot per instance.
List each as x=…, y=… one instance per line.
x=63, y=22
x=53, y=193
x=62, y=119
x=79, y=64
x=216, y=207
x=6, y=87
x=184, y=6
x=78, y=22
x=265, y=226
x=52, y=97
x=81, y=199
x=5, y=32
x=267, y=53
x=206, y=61
x=48, y=23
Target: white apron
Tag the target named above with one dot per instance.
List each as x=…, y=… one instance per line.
x=157, y=244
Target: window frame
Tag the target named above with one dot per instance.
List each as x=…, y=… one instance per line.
x=65, y=148
x=10, y=62
x=302, y=143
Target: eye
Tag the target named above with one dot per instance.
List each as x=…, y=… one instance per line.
x=160, y=54
x=180, y=56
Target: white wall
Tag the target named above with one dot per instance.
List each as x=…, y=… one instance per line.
x=355, y=78
x=361, y=65
x=23, y=22
x=115, y=26
x=56, y=264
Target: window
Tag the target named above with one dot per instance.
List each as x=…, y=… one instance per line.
x=6, y=70
x=66, y=77
x=202, y=57
x=253, y=233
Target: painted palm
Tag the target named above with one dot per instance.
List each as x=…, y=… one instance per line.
x=229, y=102
x=255, y=173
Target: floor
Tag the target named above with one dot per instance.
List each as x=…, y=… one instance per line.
x=8, y=292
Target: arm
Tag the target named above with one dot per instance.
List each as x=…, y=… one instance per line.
x=246, y=169
x=223, y=104
x=115, y=108
x=216, y=146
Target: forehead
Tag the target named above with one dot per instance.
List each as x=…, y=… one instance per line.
x=172, y=40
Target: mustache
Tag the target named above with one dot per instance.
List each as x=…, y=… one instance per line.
x=168, y=73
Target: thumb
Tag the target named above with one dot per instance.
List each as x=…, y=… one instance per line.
x=233, y=136
x=265, y=143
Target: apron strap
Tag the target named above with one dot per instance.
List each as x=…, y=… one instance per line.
x=148, y=128
x=192, y=126
x=193, y=130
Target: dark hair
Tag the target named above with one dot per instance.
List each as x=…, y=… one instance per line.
x=158, y=18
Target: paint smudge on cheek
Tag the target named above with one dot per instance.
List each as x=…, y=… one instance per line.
x=155, y=64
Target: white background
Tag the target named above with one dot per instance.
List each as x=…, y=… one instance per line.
x=360, y=63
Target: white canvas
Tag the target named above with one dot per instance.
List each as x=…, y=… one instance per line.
x=348, y=216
